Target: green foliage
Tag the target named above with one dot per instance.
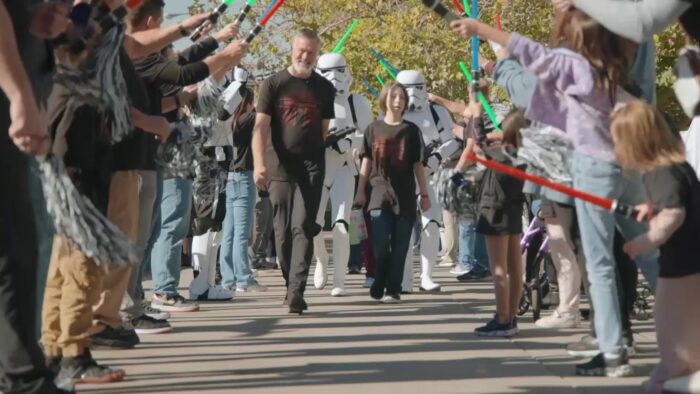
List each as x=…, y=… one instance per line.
x=412, y=37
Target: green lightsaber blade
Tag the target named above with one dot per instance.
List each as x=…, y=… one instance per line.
x=387, y=68
x=482, y=99
x=466, y=8
x=379, y=79
x=251, y=2
x=228, y=2
x=345, y=36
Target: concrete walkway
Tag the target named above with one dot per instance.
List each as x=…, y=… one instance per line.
x=354, y=345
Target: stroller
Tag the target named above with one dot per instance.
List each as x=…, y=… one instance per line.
x=539, y=289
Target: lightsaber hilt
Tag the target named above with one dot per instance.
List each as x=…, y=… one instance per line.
x=625, y=210
x=213, y=18
x=440, y=9
x=242, y=15
x=253, y=33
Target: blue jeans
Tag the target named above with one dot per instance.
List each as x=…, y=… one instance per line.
x=472, y=247
x=391, y=238
x=597, y=227
x=240, y=205
x=170, y=228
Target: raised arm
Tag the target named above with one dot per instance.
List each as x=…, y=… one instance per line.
x=634, y=20
x=143, y=43
x=454, y=107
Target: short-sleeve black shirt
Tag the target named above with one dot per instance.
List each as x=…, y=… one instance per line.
x=677, y=186
x=395, y=149
x=297, y=108
x=242, y=136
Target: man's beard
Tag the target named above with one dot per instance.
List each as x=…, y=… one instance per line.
x=302, y=68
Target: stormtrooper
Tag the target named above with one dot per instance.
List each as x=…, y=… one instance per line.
x=209, y=185
x=435, y=124
x=353, y=114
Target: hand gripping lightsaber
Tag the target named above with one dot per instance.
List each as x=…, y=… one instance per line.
x=213, y=18
x=263, y=21
x=613, y=206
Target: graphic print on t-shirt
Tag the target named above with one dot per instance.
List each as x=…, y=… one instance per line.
x=390, y=152
x=300, y=115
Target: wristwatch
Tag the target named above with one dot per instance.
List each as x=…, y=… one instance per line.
x=183, y=31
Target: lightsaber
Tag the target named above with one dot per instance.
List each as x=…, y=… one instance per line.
x=370, y=88
x=475, y=42
x=340, y=43
x=482, y=98
x=613, y=206
x=245, y=11
x=460, y=7
x=440, y=9
x=385, y=62
x=213, y=18
x=263, y=21
x=379, y=79
x=467, y=12
x=267, y=9
x=499, y=26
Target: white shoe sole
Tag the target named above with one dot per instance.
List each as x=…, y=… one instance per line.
x=583, y=353
x=556, y=325
x=149, y=331
x=338, y=292
x=500, y=334
x=169, y=308
x=159, y=315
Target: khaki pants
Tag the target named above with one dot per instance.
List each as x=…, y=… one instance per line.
x=123, y=211
x=72, y=287
x=450, y=238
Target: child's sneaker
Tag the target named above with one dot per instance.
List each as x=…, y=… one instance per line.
x=84, y=369
x=495, y=329
x=587, y=346
x=174, y=303
x=559, y=320
x=600, y=365
x=391, y=299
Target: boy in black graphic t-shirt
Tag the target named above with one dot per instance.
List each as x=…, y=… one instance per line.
x=295, y=108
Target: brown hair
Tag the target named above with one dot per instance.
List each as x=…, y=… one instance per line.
x=386, y=92
x=144, y=10
x=608, y=54
x=309, y=34
x=643, y=139
x=511, y=126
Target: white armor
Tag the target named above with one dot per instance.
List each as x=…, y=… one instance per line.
x=436, y=127
x=339, y=182
x=205, y=246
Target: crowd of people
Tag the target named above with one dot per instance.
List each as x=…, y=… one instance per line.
x=254, y=187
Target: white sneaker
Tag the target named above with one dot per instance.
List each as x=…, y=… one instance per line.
x=320, y=276
x=559, y=320
x=387, y=299
x=253, y=288
x=459, y=269
x=428, y=285
x=446, y=263
x=338, y=292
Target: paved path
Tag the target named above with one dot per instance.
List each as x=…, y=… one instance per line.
x=354, y=345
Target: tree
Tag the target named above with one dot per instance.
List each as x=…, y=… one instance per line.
x=412, y=37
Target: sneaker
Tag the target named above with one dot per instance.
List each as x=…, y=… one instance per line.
x=587, y=346
x=254, y=287
x=427, y=285
x=297, y=305
x=376, y=292
x=338, y=292
x=391, y=299
x=559, y=320
x=495, y=329
x=263, y=264
x=354, y=271
x=459, y=269
x=115, y=338
x=175, y=303
x=84, y=369
x=446, y=263
x=151, y=312
x=473, y=275
x=600, y=365
x=148, y=325
x=53, y=364
x=368, y=283
x=214, y=293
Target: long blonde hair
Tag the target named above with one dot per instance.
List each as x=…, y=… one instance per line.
x=643, y=139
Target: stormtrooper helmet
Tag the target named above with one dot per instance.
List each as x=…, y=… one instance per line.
x=414, y=82
x=334, y=68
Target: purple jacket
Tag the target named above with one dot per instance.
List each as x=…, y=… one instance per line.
x=566, y=96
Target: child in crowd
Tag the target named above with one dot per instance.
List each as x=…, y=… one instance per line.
x=643, y=142
x=578, y=85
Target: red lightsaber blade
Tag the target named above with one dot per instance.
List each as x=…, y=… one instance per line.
x=611, y=205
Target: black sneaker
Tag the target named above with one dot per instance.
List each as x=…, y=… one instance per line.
x=495, y=329
x=147, y=325
x=587, y=346
x=262, y=265
x=84, y=369
x=376, y=291
x=473, y=276
x=354, y=271
x=601, y=366
x=115, y=338
x=297, y=304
